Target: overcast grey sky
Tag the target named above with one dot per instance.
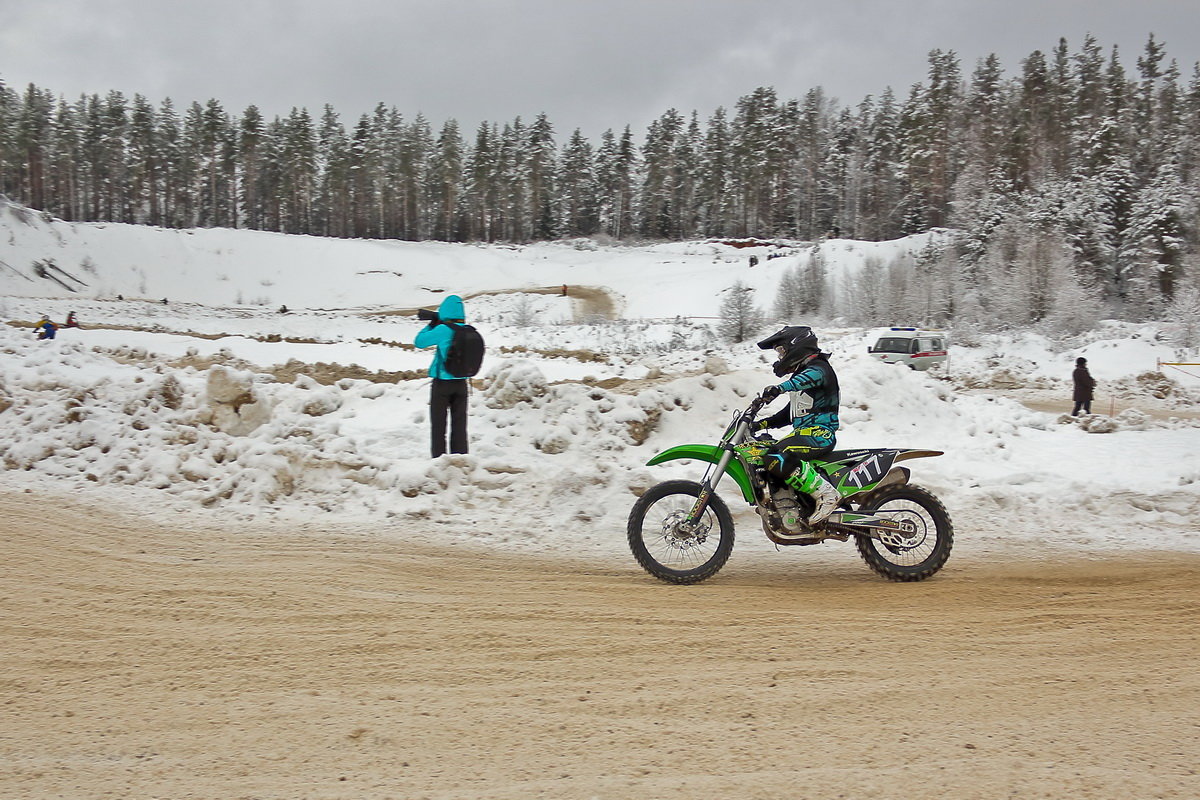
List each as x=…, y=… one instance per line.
x=592, y=64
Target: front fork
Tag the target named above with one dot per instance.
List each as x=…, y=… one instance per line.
x=709, y=484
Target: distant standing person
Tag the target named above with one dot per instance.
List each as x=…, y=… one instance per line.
x=1084, y=386
x=449, y=392
x=46, y=329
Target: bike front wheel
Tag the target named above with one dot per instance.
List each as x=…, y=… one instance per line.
x=667, y=546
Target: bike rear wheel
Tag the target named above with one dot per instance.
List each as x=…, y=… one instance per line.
x=925, y=545
x=666, y=546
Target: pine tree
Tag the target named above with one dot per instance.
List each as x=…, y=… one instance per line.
x=413, y=167
x=33, y=132
x=540, y=163
x=807, y=157
x=740, y=317
x=298, y=178
x=685, y=181
x=577, y=188
x=251, y=132
x=388, y=135
x=1154, y=246
x=512, y=202
x=175, y=194
x=658, y=184
x=144, y=169
x=844, y=175
x=445, y=181
x=713, y=192
x=480, y=188
x=931, y=117
x=65, y=158
x=10, y=107
x=1144, y=117
x=758, y=160
x=335, y=204
x=884, y=183
x=214, y=156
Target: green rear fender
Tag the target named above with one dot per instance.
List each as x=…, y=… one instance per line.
x=712, y=454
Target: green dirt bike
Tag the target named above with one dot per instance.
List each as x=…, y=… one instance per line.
x=682, y=532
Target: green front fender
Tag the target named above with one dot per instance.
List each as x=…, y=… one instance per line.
x=712, y=454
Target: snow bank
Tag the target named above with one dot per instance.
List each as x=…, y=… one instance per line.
x=557, y=465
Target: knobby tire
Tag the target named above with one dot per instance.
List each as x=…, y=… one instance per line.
x=886, y=561
x=638, y=534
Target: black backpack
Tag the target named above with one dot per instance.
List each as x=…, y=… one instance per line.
x=465, y=353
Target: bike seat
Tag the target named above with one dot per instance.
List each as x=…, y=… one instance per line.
x=849, y=456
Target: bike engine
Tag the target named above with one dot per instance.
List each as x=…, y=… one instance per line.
x=784, y=518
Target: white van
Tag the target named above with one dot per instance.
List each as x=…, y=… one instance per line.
x=915, y=348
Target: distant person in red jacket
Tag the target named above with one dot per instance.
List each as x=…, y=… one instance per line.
x=71, y=321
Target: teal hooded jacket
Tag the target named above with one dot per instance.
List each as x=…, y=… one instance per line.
x=438, y=334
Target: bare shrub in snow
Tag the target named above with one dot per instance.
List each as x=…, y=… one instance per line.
x=524, y=314
x=168, y=392
x=740, y=317
x=1184, y=315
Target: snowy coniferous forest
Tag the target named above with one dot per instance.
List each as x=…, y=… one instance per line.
x=1071, y=182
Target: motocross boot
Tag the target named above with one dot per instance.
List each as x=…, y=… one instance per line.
x=806, y=479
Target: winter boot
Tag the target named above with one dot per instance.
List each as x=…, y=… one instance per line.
x=806, y=479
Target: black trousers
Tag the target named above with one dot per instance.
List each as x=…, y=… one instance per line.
x=448, y=397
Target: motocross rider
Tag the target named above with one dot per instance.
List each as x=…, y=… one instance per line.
x=812, y=412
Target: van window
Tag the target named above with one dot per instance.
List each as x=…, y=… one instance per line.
x=892, y=344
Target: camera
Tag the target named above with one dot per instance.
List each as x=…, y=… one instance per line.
x=427, y=315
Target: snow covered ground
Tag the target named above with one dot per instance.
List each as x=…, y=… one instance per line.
x=216, y=404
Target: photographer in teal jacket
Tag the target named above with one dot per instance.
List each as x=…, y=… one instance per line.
x=448, y=393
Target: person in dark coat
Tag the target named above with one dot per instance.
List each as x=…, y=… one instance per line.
x=1085, y=385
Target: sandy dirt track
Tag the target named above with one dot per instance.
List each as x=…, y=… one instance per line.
x=142, y=660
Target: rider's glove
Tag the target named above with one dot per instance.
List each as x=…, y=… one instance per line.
x=771, y=392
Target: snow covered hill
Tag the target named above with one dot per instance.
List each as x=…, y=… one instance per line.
x=241, y=268
x=216, y=403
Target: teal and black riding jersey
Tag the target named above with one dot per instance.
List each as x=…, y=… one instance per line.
x=813, y=412
x=814, y=394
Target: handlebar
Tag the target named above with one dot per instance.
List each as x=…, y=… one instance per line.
x=752, y=410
